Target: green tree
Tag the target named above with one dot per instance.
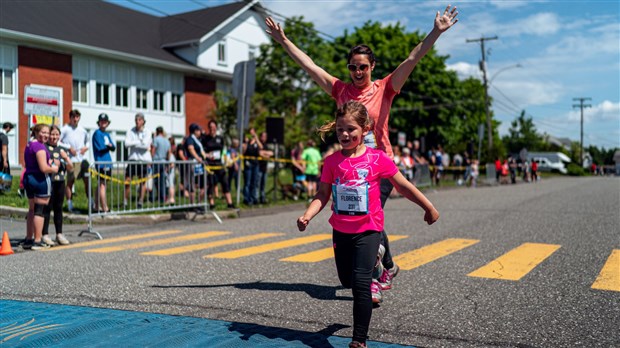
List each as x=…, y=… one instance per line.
x=522, y=135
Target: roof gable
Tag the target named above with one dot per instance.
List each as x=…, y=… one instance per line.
x=192, y=26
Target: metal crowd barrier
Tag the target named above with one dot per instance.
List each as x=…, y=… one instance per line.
x=179, y=185
x=422, y=175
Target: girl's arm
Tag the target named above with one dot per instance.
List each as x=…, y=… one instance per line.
x=320, y=76
x=44, y=166
x=68, y=162
x=318, y=203
x=442, y=23
x=409, y=191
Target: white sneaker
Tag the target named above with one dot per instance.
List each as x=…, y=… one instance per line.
x=62, y=240
x=47, y=240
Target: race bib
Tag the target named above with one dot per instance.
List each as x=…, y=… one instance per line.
x=350, y=200
x=370, y=140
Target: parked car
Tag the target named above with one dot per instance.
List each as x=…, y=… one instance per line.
x=545, y=165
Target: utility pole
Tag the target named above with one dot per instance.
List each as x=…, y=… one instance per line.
x=483, y=67
x=581, y=105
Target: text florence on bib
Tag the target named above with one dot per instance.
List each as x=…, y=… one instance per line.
x=350, y=200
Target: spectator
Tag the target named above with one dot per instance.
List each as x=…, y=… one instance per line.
x=5, y=166
x=298, y=168
x=213, y=145
x=75, y=138
x=312, y=158
x=161, y=154
x=251, y=151
x=473, y=177
x=138, y=141
x=512, y=169
x=262, y=168
x=534, y=171
x=407, y=164
x=102, y=146
x=233, y=163
x=457, y=161
x=170, y=180
x=194, y=173
x=498, y=169
x=57, y=197
x=181, y=155
x=37, y=184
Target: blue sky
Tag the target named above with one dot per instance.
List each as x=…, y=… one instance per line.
x=566, y=50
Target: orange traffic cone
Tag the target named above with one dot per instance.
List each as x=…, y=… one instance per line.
x=6, y=245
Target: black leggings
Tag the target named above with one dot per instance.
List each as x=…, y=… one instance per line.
x=356, y=255
x=55, y=205
x=386, y=188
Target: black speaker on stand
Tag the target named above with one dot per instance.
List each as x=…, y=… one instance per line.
x=275, y=136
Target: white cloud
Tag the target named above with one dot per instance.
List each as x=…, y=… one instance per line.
x=605, y=111
x=465, y=70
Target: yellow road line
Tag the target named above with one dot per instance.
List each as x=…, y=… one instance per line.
x=516, y=263
x=609, y=278
x=113, y=240
x=326, y=253
x=157, y=242
x=429, y=253
x=269, y=247
x=202, y=246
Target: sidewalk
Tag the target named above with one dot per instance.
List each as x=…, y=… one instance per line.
x=32, y=324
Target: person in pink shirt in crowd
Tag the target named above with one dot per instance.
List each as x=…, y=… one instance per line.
x=376, y=95
x=351, y=177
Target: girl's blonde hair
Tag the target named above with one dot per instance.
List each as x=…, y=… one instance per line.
x=38, y=127
x=352, y=108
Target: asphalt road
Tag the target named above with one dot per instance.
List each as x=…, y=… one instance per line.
x=505, y=266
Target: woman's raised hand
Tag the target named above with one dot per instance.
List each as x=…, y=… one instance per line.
x=275, y=30
x=446, y=20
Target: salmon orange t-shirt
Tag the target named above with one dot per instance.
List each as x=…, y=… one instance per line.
x=377, y=98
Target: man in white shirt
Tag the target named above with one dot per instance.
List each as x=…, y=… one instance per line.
x=138, y=142
x=75, y=139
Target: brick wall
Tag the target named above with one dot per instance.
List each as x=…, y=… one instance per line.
x=46, y=68
x=199, y=100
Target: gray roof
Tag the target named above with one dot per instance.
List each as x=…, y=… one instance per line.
x=105, y=25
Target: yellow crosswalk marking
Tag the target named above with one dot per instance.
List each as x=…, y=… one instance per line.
x=516, y=263
x=157, y=242
x=114, y=240
x=326, y=253
x=202, y=246
x=609, y=278
x=269, y=247
x=429, y=253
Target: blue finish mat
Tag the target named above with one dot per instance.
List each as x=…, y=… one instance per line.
x=33, y=324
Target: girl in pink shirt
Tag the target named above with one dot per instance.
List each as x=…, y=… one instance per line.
x=351, y=177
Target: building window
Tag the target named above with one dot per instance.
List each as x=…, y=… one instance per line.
x=102, y=95
x=122, y=96
x=176, y=103
x=141, y=98
x=158, y=101
x=221, y=52
x=6, y=84
x=80, y=89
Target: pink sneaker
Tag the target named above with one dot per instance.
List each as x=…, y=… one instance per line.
x=375, y=292
x=385, y=280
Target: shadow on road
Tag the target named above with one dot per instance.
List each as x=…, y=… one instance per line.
x=319, y=292
x=316, y=339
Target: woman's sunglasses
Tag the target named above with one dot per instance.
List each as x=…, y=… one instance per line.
x=354, y=68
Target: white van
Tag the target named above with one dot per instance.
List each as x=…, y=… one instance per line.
x=550, y=161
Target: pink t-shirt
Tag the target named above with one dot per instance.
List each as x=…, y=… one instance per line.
x=356, y=195
x=377, y=98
